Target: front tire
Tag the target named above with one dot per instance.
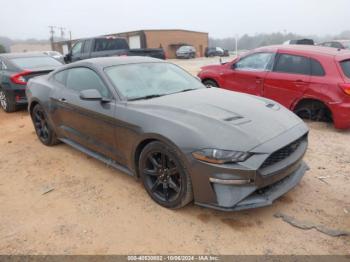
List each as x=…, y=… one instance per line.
x=42, y=127
x=5, y=102
x=164, y=176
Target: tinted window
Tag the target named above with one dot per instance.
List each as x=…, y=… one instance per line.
x=35, y=62
x=108, y=44
x=345, y=65
x=293, y=64
x=186, y=49
x=76, y=50
x=316, y=68
x=258, y=61
x=87, y=46
x=81, y=78
x=61, y=77
x=337, y=45
x=305, y=42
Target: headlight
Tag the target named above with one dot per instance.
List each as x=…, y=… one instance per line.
x=217, y=156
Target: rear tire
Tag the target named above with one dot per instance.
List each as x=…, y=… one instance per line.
x=313, y=110
x=210, y=83
x=5, y=102
x=44, y=131
x=164, y=176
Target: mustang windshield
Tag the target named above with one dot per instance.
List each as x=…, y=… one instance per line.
x=149, y=80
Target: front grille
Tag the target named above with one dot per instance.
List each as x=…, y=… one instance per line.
x=283, y=153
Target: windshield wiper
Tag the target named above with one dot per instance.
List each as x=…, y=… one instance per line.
x=185, y=90
x=144, y=97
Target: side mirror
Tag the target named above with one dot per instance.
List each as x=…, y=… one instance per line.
x=90, y=94
x=68, y=58
x=233, y=66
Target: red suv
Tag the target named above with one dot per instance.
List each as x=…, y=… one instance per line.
x=312, y=81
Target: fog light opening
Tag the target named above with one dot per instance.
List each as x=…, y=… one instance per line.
x=231, y=181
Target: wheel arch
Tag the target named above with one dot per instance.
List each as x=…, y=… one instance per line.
x=147, y=139
x=210, y=79
x=32, y=104
x=309, y=100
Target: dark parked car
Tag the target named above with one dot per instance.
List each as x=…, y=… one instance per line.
x=186, y=51
x=153, y=120
x=108, y=46
x=340, y=44
x=312, y=81
x=15, y=71
x=300, y=42
x=216, y=51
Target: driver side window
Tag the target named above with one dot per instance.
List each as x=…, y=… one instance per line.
x=76, y=50
x=82, y=78
x=256, y=62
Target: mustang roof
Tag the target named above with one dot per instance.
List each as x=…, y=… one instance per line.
x=113, y=61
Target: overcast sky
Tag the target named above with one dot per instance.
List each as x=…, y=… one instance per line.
x=221, y=18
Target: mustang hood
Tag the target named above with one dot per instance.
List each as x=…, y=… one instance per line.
x=224, y=118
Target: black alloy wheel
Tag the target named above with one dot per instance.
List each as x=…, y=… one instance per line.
x=3, y=100
x=43, y=130
x=5, y=103
x=164, y=177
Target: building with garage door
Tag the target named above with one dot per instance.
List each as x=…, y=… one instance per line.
x=169, y=40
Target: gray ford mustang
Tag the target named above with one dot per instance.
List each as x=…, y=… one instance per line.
x=185, y=142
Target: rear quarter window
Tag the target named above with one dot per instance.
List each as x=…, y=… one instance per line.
x=316, y=68
x=293, y=64
x=345, y=65
x=61, y=77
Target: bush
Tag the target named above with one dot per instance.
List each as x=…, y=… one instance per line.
x=2, y=49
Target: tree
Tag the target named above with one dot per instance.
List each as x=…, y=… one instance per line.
x=2, y=49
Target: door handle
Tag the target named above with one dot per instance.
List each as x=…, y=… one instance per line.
x=62, y=100
x=258, y=80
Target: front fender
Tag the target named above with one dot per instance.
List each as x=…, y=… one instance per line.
x=146, y=138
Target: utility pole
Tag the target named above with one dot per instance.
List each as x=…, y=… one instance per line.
x=62, y=29
x=52, y=33
x=236, y=38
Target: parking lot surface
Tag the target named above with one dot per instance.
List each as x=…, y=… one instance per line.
x=56, y=200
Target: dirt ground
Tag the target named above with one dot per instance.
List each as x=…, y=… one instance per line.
x=94, y=209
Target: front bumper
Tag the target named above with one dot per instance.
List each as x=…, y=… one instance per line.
x=254, y=197
x=252, y=183
x=341, y=115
